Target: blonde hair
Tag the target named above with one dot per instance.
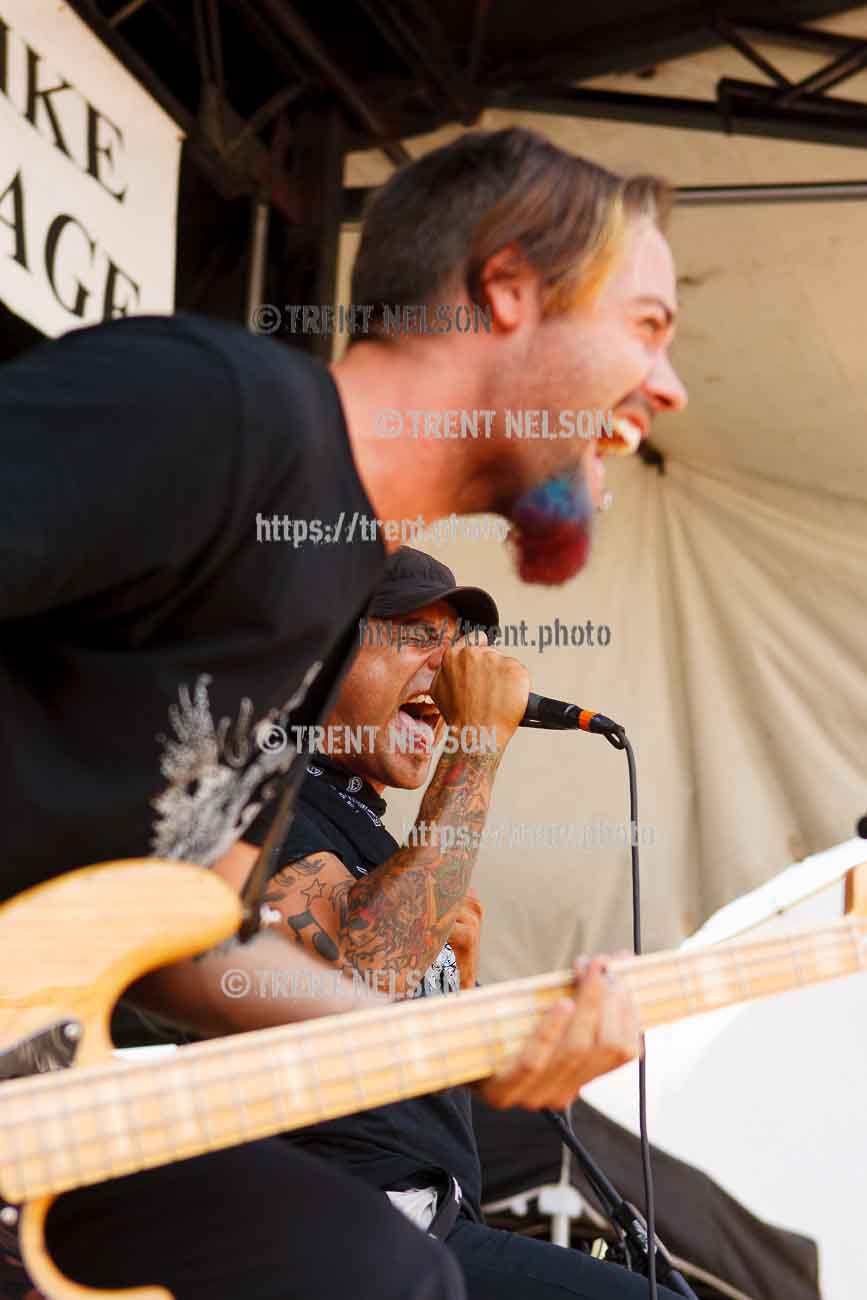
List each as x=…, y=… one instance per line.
x=436, y=223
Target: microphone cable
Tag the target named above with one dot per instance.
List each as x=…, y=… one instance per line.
x=556, y=715
x=649, y=1204
x=619, y=739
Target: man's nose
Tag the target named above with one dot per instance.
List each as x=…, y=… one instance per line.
x=665, y=388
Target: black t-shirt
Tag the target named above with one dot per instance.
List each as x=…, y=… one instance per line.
x=144, y=630
x=404, y=1144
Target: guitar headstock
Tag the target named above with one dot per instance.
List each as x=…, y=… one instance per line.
x=856, y=891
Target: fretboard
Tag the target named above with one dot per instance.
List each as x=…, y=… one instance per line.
x=81, y=1126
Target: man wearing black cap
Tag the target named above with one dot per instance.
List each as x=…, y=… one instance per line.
x=408, y=920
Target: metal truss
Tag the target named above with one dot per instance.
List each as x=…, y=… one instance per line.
x=781, y=110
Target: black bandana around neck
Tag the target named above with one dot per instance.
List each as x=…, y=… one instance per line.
x=353, y=804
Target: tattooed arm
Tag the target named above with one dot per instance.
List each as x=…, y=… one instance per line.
x=397, y=919
x=235, y=987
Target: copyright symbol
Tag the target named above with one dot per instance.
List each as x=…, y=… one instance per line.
x=235, y=983
x=387, y=424
x=271, y=738
x=265, y=319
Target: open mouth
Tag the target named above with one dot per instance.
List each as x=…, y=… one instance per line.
x=418, y=716
x=625, y=440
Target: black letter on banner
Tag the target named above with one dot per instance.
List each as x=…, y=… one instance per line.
x=94, y=148
x=4, y=46
x=108, y=302
x=17, y=223
x=33, y=61
x=55, y=230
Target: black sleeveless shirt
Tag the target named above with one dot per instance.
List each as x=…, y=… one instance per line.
x=409, y=1143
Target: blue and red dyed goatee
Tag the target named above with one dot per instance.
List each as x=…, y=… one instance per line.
x=551, y=533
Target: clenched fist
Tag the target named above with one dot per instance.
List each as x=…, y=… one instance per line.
x=478, y=686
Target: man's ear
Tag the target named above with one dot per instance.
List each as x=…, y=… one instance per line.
x=511, y=287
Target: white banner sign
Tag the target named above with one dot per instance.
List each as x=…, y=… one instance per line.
x=88, y=176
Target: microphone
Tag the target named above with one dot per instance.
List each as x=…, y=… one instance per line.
x=556, y=715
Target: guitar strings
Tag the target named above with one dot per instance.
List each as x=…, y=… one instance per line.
x=175, y=1147
x=207, y=1053
x=716, y=969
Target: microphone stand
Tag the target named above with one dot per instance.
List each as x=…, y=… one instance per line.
x=628, y=1223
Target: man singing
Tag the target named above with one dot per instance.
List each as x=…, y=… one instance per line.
x=408, y=917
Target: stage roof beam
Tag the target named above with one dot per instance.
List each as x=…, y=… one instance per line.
x=742, y=107
x=432, y=64
x=733, y=37
x=297, y=31
x=247, y=171
x=477, y=40
x=278, y=50
x=126, y=11
x=656, y=40
x=794, y=37
x=432, y=44
x=839, y=69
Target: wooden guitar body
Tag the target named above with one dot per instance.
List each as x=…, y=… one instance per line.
x=69, y=949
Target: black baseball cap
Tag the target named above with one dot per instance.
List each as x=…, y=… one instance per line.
x=413, y=579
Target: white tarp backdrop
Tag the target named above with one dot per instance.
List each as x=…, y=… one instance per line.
x=737, y=664
x=88, y=176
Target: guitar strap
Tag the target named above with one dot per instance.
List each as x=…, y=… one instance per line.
x=266, y=862
x=316, y=705
x=448, y=1209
